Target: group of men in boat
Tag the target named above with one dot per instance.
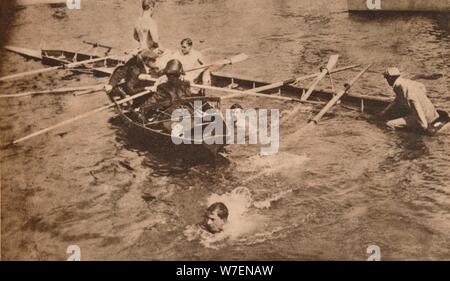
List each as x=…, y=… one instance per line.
x=168, y=75
x=173, y=73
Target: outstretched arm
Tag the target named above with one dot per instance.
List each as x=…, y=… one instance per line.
x=388, y=108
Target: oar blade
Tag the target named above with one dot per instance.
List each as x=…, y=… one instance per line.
x=332, y=62
x=238, y=58
x=330, y=65
x=234, y=59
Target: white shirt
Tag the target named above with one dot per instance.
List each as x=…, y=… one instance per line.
x=412, y=94
x=192, y=60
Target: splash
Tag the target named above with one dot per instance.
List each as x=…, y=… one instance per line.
x=284, y=164
x=244, y=220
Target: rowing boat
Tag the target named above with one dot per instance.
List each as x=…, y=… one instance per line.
x=436, y=6
x=62, y=57
x=159, y=130
x=364, y=103
x=370, y=105
x=106, y=67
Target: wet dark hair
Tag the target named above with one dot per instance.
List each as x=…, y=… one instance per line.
x=222, y=210
x=188, y=41
x=147, y=4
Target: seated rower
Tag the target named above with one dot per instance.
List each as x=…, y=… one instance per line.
x=411, y=108
x=168, y=91
x=191, y=59
x=142, y=63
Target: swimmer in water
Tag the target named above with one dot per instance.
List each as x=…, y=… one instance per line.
x=216, y=217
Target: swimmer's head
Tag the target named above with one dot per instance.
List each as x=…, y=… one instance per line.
x=216, y=217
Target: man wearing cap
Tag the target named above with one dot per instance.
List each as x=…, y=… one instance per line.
x=145, y=28
x=169, y=91
x=411, y=107
x=191, y=58
x=143, y=63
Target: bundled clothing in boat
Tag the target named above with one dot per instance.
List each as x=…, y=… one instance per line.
x=411, y=105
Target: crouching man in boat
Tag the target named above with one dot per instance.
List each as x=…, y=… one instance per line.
x=143, y=63
x=411, y=108
x=174, y=88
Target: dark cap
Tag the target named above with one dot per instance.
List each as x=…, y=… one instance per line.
x=148, y=54
x=173, y=67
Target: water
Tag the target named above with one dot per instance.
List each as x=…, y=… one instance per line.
x=328, y=195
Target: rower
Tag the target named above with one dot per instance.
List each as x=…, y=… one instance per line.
x=146, y=29
x=191, y=58
x=143, y=63
x=411, y=108
x=168, y=91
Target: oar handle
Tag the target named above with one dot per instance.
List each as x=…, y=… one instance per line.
x=68, y=121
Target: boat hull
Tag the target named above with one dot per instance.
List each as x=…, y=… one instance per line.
x=160, y=137
x=439, y=6
x=369, y=104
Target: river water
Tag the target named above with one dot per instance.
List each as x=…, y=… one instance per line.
x=329, y=195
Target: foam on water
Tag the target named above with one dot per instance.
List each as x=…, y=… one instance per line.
x=283, y=164
x=246, y=222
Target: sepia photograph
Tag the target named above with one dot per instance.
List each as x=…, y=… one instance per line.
x=225, y=130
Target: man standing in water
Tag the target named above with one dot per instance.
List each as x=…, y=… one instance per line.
x=411, y=108
x=146, y=29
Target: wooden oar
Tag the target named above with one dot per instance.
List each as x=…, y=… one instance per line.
x=64, y=66
x=312, y=122
x=298, y=79
x=54, y=91
x=232, y=60
x=68, y=121
x=22, y=74
x=330, y=65
x=238, y=93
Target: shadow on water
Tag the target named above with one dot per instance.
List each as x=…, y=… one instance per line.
x=162, y=156
x=408, y=146
x=411, y=145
